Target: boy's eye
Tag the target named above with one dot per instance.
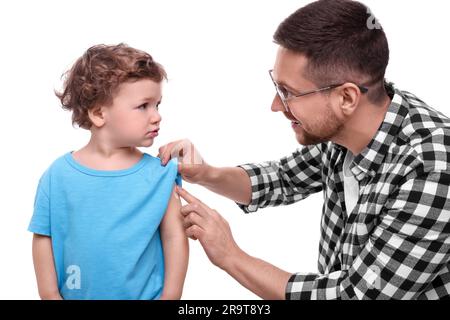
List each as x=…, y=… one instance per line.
x=145, y=106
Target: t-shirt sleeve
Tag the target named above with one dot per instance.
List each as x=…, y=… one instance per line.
x=174, y=166
x=178, y=180
x=40, y=221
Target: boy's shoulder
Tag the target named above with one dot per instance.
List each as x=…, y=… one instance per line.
x=170, y=170
x=171, y=165
x=59, y=163
x=57, y=166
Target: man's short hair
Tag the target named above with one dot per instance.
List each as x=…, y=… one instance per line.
x=341, y=40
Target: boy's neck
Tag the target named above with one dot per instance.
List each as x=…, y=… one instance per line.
x=101, y=155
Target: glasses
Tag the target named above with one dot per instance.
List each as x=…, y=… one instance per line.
x=286, y=95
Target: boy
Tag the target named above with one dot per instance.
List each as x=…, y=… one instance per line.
x=106, y=220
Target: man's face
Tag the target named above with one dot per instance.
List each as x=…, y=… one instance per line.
x=312, y=117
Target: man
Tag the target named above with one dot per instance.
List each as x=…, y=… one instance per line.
x=379, y=155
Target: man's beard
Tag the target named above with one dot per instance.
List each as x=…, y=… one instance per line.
x=324, y=129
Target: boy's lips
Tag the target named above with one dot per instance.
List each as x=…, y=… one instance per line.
x=153, y=133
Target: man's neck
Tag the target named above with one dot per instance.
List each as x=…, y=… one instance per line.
x=363, y=126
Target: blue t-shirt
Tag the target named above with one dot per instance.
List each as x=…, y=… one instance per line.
x=104, y=227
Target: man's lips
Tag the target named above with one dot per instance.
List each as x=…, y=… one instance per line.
x=292, y=119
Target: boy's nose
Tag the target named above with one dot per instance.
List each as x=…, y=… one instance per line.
x=155, y=116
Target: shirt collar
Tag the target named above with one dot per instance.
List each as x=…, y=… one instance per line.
x=370, y=159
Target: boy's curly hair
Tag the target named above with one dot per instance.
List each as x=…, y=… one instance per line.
x=96, y=75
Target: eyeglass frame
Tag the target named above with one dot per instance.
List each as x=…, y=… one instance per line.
x=284, y=99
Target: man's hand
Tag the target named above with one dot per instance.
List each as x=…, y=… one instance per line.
x=191, y=165
x=207, y=225
x=210, y=228
x=231, y=182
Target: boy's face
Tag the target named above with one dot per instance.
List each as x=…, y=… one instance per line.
x=133, y=119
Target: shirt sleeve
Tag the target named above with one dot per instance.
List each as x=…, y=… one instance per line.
x=286, y=181
x=408, y=249
x=40, y=221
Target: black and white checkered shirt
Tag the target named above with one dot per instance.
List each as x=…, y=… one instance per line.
x=395, y=243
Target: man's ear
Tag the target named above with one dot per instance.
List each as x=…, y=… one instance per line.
x=97, y=116
x=349, y=98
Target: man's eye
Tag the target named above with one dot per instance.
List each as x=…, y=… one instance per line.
x=284, y=91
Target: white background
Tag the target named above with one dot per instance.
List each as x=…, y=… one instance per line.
x=217, y=54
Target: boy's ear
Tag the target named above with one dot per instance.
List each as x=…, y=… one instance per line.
x=97, y=116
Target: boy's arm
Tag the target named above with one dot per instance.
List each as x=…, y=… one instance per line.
x=176, y=250
x=45, y=268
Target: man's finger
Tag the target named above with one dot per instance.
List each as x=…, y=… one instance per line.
x=186, y=195
x=198, y=208
x=194, y=232
x=166, y=153
x=190, y=207
x=202, y=209
x=194, y=219
x=161, y=153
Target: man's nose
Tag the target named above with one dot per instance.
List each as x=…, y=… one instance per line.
x=277, y=104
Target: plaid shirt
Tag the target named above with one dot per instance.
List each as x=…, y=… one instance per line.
x=395, y=243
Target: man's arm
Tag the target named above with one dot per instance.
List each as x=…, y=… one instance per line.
x=258, y=276
x=230, y=182
x=176, y=250
x=285, y=181
x=45, y=268
x=252, y=186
